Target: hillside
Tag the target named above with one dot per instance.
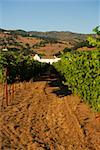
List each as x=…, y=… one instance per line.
x=45, y=43
x=63, y=36
x=58, y=35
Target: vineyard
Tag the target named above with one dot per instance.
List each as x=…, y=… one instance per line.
x=81, y=72
x=19, y=68
x=16, y=69
x=38, y=107
x=43, y=114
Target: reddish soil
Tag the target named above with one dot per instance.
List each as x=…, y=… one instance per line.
x=3, y=35
x=44, y=115
x=51, y=49
x=86, y=49
x=48, y=50
x=29, y=40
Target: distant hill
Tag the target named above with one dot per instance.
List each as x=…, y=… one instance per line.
x=64, y=36
x=44, y=43
x=61, y=35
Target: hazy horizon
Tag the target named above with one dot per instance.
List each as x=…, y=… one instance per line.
x=45, y=31
x=45, y=16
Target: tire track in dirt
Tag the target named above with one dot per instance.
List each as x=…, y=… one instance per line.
x=38, y=119
x=65, y=120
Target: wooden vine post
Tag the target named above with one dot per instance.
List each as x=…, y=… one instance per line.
x=6, y=85
x=12, y=91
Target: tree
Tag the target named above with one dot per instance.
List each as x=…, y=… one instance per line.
x=67, y=50
x=97, y=30
x=95, y=41
x=28, y=45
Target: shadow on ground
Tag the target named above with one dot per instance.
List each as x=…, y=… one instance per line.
x=62, y=90
x=54, y=80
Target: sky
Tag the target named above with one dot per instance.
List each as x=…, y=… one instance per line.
x=79, y=16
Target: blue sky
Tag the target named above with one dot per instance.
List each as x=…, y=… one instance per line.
x=50, y=15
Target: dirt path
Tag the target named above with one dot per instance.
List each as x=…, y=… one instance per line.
x=43, y=117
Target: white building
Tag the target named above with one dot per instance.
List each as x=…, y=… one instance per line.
x=49, y=61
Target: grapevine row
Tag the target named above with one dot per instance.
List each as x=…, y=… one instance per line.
x=81, y=71
x=20, y=68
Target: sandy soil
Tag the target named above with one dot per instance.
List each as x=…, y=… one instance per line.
x=43, y=116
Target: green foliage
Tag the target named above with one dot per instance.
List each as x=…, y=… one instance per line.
x=21, y=67
x=41, y=55
x=1, y=74
x=19, y=32
x=95, y=41
x=97, y=30
x=82, y=44
x=81, y=71
x=67, y=50
x=2, y=64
